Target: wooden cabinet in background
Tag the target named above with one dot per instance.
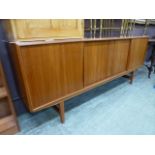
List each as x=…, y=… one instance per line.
x=51, y=72
x=37, y=29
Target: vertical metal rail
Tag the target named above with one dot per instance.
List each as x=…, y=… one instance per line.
x=104, y=24
x=127, y=28
x=112, y=26
x=101, y=27
x=91, y=28
x=133, y=26
x=130, y=28
x=103, y=35
x=122, y=27
x=147, y=21
x=109, y=27
x=106, y=27
x=94, y=28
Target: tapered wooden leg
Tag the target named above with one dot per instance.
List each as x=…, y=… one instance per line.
x=61, y=112
x=60, y=109
x=131, y=77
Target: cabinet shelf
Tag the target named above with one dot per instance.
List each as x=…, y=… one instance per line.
x=8, y=121
x=3, y=92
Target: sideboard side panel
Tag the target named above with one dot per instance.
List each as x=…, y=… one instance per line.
x=14, y=52
x=137, y=53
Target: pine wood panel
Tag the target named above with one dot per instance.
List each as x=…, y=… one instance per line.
x=52, y=71
x=137, y=53
x=104, y=59
x=24, y=29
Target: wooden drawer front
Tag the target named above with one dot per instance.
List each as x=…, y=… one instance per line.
x=104, y=59
x=96, y=61
x=119, y=56
x=52, y=71
x=137, y=52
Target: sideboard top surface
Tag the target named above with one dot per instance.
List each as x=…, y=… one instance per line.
x=53, y=41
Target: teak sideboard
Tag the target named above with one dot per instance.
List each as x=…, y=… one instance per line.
x=50, y=72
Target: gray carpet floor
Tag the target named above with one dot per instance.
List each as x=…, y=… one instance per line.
x=116, y=108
